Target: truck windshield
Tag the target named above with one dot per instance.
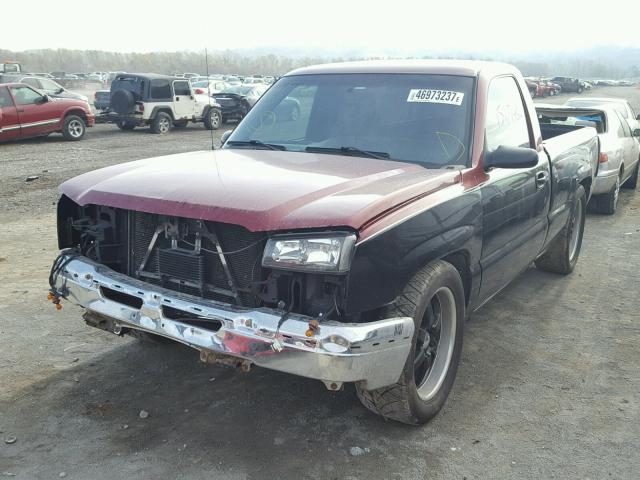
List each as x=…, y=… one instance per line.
x=423, y=119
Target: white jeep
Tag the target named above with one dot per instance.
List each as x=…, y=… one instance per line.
x=160, y=101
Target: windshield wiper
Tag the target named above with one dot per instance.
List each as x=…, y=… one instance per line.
x=349, y=151
x=257, y=143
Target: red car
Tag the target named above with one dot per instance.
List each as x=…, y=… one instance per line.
x=26, y=112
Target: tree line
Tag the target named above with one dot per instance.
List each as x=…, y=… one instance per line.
x=232, y=62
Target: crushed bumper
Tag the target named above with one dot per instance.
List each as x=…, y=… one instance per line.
x=604, y=182
x=373, y=353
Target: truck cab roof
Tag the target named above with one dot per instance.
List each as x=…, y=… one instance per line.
x=469, y=68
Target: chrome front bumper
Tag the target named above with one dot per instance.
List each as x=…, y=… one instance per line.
x=373, y=353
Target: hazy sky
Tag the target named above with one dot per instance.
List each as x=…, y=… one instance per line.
x=375, y=26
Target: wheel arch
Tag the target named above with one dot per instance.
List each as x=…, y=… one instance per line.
x=163, y=108
x=74, y=111
x=383, y=265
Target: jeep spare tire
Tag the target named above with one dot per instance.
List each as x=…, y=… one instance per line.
x=123, y=102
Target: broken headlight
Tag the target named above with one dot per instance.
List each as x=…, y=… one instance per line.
x=330, y=253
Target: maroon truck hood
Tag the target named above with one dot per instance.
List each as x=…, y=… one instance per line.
x=259, y=189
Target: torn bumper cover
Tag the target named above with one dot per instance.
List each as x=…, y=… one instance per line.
x=373, y=353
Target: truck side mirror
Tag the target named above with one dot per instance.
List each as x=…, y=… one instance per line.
x=511, y=157
x=225, y=137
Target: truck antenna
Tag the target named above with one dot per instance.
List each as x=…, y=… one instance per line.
x=206, y=61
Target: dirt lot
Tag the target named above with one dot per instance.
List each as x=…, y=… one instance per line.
x=548, y=385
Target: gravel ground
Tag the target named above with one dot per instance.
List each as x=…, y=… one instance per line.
x=547, y=388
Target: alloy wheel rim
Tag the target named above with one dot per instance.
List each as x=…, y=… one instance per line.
x=164, y=125
x=215, y=119
x=616, y=192
x=75, y=128
x=434, y=344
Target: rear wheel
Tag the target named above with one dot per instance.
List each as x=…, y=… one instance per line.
x=73, y=128
x=562, y=255
x=122, y=125
x=632, y=181
x=608, y=203
x=435, y=299
x=161, y=124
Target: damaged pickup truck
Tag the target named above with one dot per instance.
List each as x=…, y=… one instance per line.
x=347, y=244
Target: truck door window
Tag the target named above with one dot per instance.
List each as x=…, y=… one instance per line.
x=25, y=95
x=506, y=121
x=49, y=85
x=181, y=88
x=32, y=82
x=5, y=98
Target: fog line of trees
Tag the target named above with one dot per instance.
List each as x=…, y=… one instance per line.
x=620, y=64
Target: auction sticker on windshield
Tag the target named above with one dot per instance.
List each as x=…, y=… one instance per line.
x=435, y=96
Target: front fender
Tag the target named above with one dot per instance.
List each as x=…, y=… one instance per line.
x=383, y=264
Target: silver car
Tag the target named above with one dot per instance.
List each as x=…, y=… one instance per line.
x=619, y=148
x=620, y=104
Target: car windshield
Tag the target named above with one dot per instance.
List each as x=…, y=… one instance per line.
x=200, y=84
x=423, y=119
x=594, y=103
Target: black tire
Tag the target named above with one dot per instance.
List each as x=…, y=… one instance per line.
x=402, y=401
x=73, y=128
x=562, y=255
x=580, y=90
x=122, y=125
x=608, y=203
x=213, y=119
x=122, y=102
x=180, y=124
x=161, y=124
x=632, y=181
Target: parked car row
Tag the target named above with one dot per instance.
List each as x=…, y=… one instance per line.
x=231, y=100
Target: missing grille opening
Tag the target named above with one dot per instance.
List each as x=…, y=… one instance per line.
x=191, y=319
x=120, y=297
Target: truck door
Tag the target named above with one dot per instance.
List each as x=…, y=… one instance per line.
x=9, y=122
x=515, y=202
x=183, y=102
x=37, y=115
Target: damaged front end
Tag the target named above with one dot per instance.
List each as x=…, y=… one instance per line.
x=205, y=284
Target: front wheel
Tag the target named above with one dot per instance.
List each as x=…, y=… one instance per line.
x=213, y=119
x=73, y=128
x=435, y=299
x=562, y=255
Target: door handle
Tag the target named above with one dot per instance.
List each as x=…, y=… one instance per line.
x=20, y=110
x=541, y=179
x=177, y=99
